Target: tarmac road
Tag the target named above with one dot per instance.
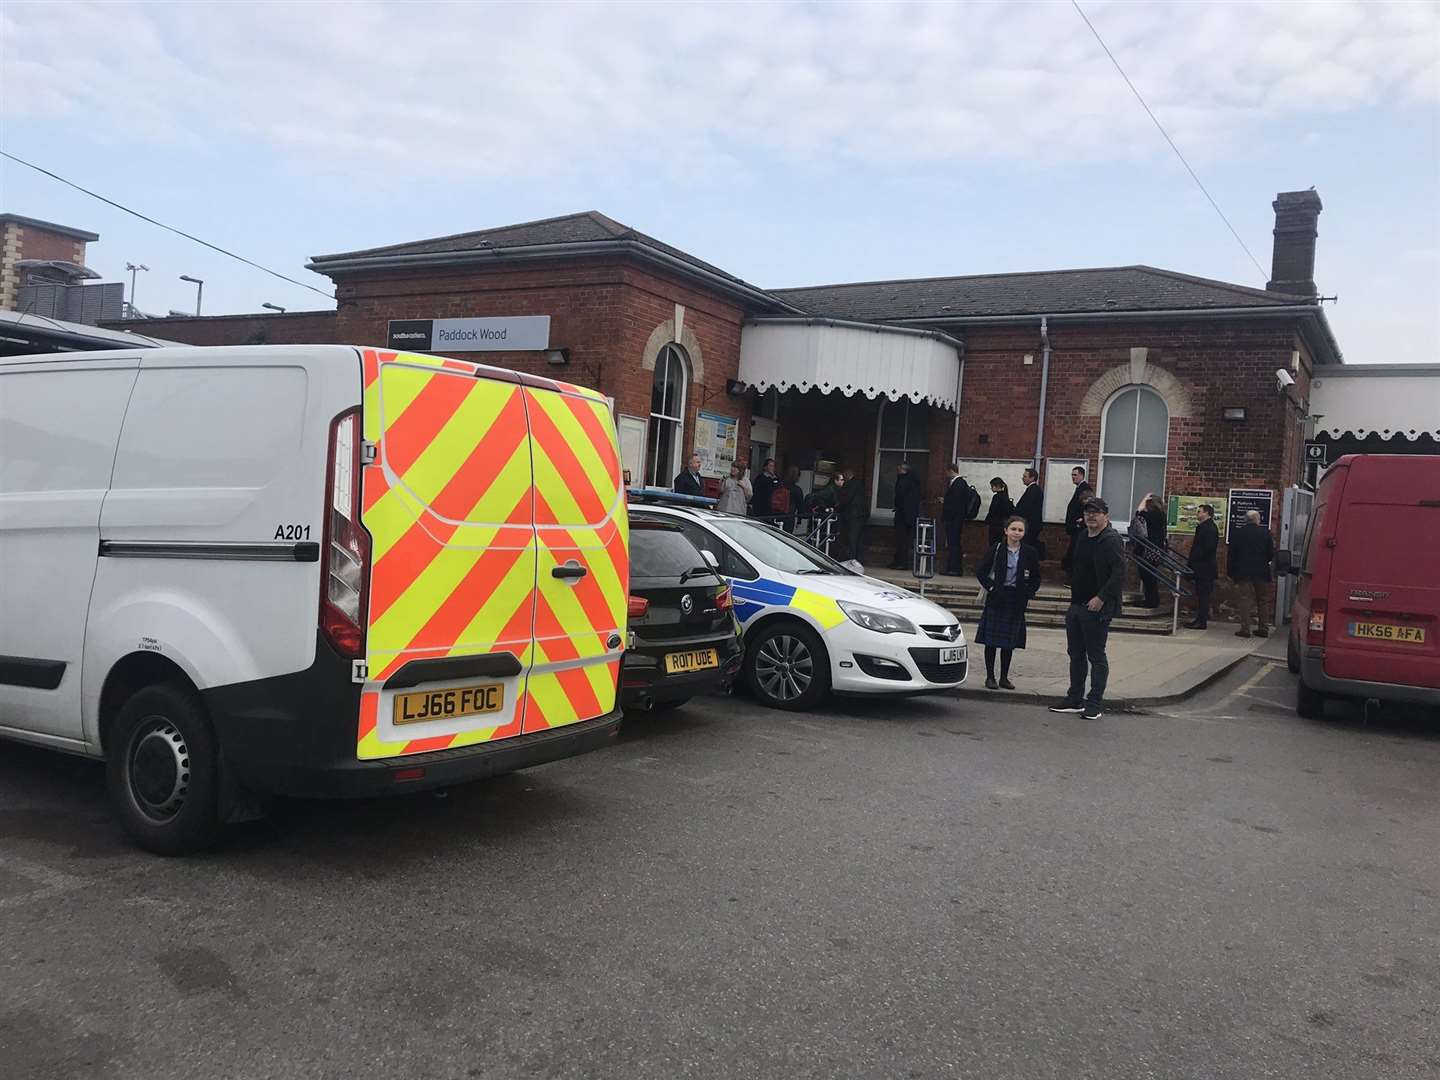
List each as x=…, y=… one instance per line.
x=920, y=888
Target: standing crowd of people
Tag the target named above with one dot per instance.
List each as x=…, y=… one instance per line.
x=1009, y=569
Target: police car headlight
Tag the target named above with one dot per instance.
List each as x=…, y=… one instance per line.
x=882, y=622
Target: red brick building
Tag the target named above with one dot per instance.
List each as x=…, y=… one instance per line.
x=1154, y=380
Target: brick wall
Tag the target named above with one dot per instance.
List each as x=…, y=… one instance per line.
x=611, y=317
x=276, y=328
x=19, y=241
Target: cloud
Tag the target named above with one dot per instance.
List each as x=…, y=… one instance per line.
x=498, y=89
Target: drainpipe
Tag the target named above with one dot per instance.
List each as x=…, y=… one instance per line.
x=959, y=384
x=1044, y=387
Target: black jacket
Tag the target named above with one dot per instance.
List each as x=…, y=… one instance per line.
x=1202, y=552
x=907, y=498
x=1032, y=508
x=1074, y=513
x=687, y=483
x=1098, y=569
x=991, y=571
x=850, y=501
x=1251, y=553
x=1157, y=525
x=957, y=501
x=761, y=488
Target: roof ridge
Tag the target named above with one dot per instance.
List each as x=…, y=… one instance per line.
x=1247, y=290
x=962, y=277
x=594, y=215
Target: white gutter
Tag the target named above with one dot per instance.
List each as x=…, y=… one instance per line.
x=856, y=324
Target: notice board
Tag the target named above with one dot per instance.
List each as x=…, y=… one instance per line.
x=716, y=439
x=979, y=471
x=1059, y=488
x=1243, y=500
x=1181, y=518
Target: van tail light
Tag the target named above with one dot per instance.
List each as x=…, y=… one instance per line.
x=345, y=549
x=1315, y=629
x=637, y=607
x=723, y=600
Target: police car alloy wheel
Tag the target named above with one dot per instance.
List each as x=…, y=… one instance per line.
x=787, y=667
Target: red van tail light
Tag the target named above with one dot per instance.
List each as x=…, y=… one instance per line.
x=345, y=548
x=637, y=607
x=723, y=599
x=1315, y=629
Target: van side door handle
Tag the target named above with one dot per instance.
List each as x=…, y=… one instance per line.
x=569, y=569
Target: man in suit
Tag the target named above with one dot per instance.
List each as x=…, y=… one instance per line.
x=1032, y=508
x=1203, y=563
x=763, y=487
x=907, y=510
x=958, y=495
x=688, y=482
x=1252, y=550
x=1075, y=514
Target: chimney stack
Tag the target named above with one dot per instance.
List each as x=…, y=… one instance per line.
x=1292, y=265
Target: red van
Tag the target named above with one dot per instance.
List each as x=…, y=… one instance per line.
x=1366, y=618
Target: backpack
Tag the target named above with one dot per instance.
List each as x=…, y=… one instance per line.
x=780, y=500
x=972, y=503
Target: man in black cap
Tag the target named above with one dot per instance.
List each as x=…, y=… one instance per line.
x=1095, y=590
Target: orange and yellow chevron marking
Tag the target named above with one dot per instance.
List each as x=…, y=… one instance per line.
x=458, y=564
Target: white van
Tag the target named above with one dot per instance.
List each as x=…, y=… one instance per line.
x=308, y=570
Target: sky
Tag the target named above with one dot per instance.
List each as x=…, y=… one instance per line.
x=789, y=144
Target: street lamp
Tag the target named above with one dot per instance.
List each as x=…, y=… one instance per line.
x=199, y=289
x=273, y=307
x=134, y=269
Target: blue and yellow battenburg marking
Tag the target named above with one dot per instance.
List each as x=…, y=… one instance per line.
x=753, y=597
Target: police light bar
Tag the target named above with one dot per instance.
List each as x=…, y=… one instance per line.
x=664, y=495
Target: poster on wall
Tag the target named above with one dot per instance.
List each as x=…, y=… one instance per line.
x=1243, y=500
x=1181, y=517
x=716, y=440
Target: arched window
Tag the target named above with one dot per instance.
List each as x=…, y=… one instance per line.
x=1134, y=439
x=668, y=393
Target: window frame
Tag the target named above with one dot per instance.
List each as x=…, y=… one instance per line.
x=1132, y=456
x=659, y=474
x=875, y=508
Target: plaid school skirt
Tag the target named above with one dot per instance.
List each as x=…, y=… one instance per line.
x=1002, y=623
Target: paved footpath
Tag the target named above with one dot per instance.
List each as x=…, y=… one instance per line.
x=1145, y=669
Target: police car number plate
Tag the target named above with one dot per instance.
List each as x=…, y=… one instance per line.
x=452, y=704
x=697, y=660
x=952, y=656
x=1414, y=635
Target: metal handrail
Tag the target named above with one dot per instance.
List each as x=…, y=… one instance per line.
x=1170, y=561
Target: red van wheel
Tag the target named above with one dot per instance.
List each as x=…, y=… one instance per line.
x=1309, y=703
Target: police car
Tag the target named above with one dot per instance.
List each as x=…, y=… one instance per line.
x=810, y=625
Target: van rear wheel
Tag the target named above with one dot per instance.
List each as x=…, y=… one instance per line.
x=161, y=765
x=1309, y=703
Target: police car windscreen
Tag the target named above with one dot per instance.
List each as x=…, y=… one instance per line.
x=777, y=549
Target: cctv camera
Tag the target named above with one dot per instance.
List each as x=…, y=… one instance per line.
x=1284, y=378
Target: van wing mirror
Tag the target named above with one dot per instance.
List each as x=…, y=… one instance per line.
x=1283, y=565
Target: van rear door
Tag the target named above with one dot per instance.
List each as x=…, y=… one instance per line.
x=583, y=571
x=448, y=504
x=1385, y=579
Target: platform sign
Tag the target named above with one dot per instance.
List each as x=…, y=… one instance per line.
x=1243, y=500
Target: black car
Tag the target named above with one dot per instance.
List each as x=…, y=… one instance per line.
x=683, y=634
